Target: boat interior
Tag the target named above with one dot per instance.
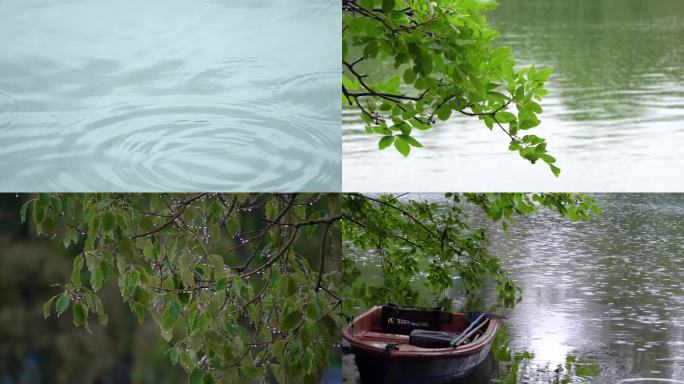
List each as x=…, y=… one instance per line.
x=410, y=328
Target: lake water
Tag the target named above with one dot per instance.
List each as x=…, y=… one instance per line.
x=169, y=95
x=610, y=291
x=614, y=118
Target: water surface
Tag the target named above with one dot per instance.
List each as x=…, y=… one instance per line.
x=173, y=95
x=614, y=118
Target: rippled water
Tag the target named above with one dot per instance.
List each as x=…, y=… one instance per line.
x=610, y=290
x=614, y=118
x=173, y=95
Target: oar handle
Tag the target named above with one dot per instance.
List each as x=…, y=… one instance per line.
x=457, y=340
x=473, y=332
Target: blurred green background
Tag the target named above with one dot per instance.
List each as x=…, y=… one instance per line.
x=35, y=350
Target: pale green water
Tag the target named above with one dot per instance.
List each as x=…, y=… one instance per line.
x=173, y=95
x=614, y=118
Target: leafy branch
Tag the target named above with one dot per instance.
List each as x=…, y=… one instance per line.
x=231, y=280
x=435, y=240
x=445, y=52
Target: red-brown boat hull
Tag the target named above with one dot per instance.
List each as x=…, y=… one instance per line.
x=411, y=364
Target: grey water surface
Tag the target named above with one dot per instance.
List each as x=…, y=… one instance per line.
x=169, y=95
x=614, y=118
x=610, y=291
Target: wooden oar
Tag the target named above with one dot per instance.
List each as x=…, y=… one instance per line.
x=474, y=326
x=472, y=333
x=457, y=340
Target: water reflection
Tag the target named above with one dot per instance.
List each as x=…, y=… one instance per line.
x=610, y=288
x=208, y=95
x=615, y=59
x=613, y=118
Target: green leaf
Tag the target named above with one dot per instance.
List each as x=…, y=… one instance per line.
x=409, y=76
x=556, y=171
x=411, y=140
x=195, y=377
x=174, y=355
x=290, y=320
x=62, y=303
x=22, y=212
x=292, y=287
x=385, y=142
x=47, y=306
x=387, y=6
x=444, y=113
x=99, y=309
x=349, y=84
x=96, y=278
x=532, y=139
x=138, y=310
x=170, y=315
x=80, y=312
x=421, y=83
x=515, y=146
x=76, y=271
x=148, y=251
x=402, y=146
x=426, y=63
x=548, y=159
x=108, y=222
x=186, y=274
x=543, y=74
x=385, y=107
x=418, y=125
x=368, y=4
x=278, y=348
x=187, y=359
x=221, y=282
x=307, y=332
x=393, y=83
x=529, y=123
x=39, y=208
x=201, y=323
x=505, y=117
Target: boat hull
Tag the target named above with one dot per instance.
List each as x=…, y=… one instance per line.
x=375, y=368
x=386, y=355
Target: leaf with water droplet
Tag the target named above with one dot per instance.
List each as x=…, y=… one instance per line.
x=195, y=377
x=80, y=312
x=174, y=355
x=290, y=320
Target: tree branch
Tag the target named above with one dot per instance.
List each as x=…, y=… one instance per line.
x=173, y=218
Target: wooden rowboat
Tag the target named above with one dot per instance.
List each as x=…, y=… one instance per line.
x=395, y=344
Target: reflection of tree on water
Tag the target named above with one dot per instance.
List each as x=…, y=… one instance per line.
x=513, y=367
x=610, y=57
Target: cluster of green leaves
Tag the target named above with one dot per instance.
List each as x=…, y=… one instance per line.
x=445, y=62
x=433, y=241
x=230, y=279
